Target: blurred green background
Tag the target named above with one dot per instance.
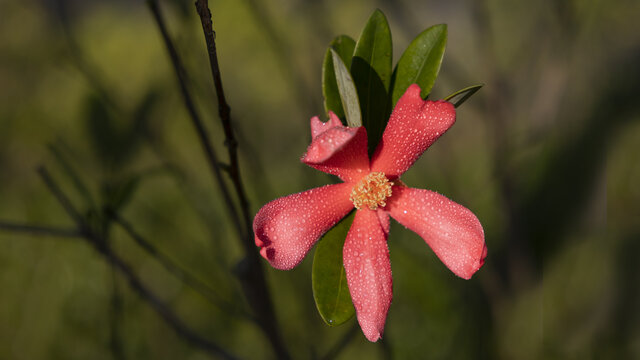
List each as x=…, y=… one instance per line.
x=547, y=156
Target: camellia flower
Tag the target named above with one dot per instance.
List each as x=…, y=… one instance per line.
x=286, y=228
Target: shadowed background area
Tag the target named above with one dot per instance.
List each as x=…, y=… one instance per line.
x=546, y=155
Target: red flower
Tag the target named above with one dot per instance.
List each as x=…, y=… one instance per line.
x=286, y=228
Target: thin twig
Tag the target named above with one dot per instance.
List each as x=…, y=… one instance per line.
x=200, y=287
x=205, y=142
x=223, y=109
x=62, y=199
x=163, y=310
x=100, y=244
x=39, y=230
x=250, y=271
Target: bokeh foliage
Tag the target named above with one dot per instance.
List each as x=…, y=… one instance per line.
x=546, y=155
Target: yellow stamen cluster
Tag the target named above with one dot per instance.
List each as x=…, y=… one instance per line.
x=372, y=191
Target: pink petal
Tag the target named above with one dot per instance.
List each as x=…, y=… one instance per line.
x=337, y=149
x=414, y=125
x=450, y=229
x=318, y=127
x=286, y=228
x=383, y=216
x=366, y=263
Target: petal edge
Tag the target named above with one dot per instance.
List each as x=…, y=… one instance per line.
x=414, y=125
x=368, y=269
x=286, y=228
x=338, y=150
x=451, y=230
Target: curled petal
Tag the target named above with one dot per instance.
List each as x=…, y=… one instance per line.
x=318, y=127
x=286, y=228
x=338, y=150
x=366, y=263
x=414, y=125
x=450, y=229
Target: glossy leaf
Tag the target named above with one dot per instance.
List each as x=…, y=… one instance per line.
x=371, y=71
x=343, y=45
x=460, y=96
x=347, y=90
x=420, y=62
x=330, y=289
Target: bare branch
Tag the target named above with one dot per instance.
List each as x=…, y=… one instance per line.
x=101, y=245
x=208, y=149
x=250, y=270
x=39, y=230
x=224, y=110
x=162, y=309
x=62, y=198
x=200, y=287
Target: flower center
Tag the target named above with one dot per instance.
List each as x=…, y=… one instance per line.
x=371, y=191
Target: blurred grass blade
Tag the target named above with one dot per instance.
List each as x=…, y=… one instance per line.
x=420, y=62
x=329, y=281
x=371, y=71
x=460, y=96
x=347, y=91
x=343, y=45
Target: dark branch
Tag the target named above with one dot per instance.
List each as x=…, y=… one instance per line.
x=39, y=230
x=209, y=151
x=200, y=287
x=224, y=110
x=162, y=309
x=101, y=245
x=62, y=198
x=250, y=270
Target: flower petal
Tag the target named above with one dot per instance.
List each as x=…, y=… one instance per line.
x=383, y=216
x=286, y=228
x=318, y=127
x=414, y=125
x=338, y=150
x=451, y=230
x=366, y=263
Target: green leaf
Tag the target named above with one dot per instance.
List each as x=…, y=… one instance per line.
x=347, y=91
x=420, y=62
x=371, y=70
x=328, y=278
x=460, y=96
x=343, y=45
